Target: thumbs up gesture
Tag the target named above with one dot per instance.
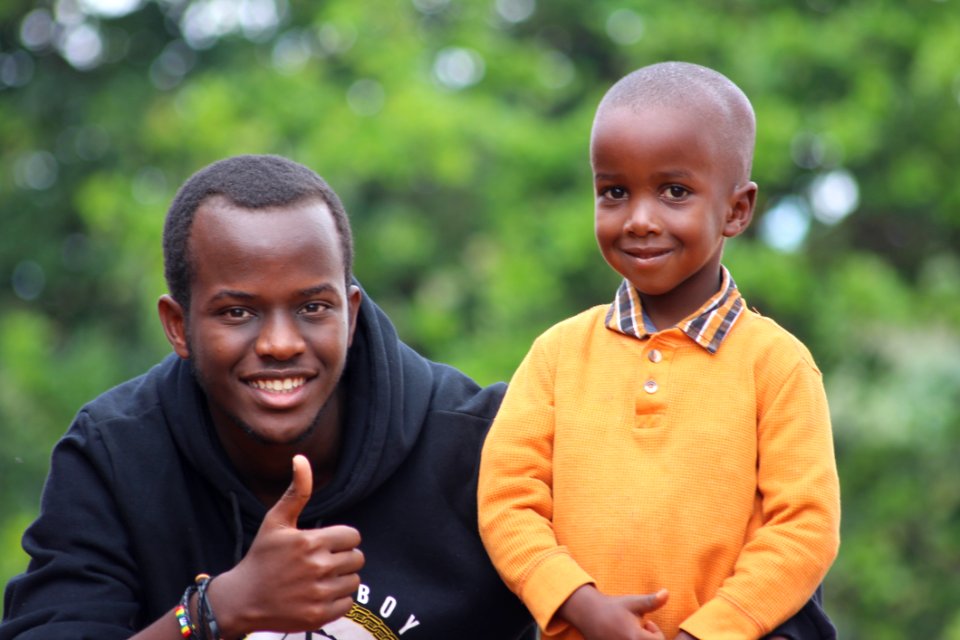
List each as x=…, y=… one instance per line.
x=291, y=579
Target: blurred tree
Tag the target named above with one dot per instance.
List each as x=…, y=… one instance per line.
x=456, y=131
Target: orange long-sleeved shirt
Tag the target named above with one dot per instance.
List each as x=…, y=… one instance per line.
x=640, y=464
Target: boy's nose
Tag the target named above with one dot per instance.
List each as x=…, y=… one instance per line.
x=279, y=337
x=642, y=219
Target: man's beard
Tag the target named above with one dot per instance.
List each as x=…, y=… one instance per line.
x=249, y=430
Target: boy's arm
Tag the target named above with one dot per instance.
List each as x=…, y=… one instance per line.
x=515, y=493
x=785, y=560
x=601, y=617
x=810, y=623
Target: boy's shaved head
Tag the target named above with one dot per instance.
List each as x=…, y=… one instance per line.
x=717, y=100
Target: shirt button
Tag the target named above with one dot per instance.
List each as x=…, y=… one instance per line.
x=655, y=356
x=650, y=386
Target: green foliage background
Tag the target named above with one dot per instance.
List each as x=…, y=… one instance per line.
x=456, y=132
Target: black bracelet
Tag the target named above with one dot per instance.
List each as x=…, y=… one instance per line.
x=207, y=621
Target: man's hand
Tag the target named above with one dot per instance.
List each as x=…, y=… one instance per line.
x=600, y=617
x=291, y=579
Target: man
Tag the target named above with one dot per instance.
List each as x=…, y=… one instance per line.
x=290, y=430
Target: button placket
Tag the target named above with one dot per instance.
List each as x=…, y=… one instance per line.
x=655, y=356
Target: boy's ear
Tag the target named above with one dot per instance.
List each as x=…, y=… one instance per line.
x=740, y=213
x=174, y=324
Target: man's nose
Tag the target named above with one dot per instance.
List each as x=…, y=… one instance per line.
x=280, y=337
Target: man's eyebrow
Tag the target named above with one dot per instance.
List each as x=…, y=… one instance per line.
x=232, y=293
x=317, y=290
x=236, y=294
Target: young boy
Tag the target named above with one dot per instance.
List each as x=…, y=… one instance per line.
x=674, y=439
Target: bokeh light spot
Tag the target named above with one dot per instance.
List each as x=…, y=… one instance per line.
x=785, y=226
x=28, y=280
x=834, y=196
x=515, y=11
x=625, y=26
x=37, y=30
x=36, y=170
x=458, y=68
x=82, y=46
x=366, y=97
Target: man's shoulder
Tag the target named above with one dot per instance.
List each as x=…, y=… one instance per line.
x=130, y=400
x=457, y=393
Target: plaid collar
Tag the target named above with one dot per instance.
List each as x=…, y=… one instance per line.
x=707, y=326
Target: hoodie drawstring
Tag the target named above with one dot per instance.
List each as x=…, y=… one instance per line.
x=237, y=528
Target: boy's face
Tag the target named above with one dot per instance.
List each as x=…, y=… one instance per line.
x=270, y=319
x=665, y=200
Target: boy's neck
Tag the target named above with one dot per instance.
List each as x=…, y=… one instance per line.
x=667, y=310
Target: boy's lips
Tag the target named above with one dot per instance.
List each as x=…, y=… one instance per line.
x=646, y=253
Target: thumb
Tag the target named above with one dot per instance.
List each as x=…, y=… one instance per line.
x=647, y=602
x=295, y=498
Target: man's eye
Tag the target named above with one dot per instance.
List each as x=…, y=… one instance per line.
x=237, y=313
x=313, y=307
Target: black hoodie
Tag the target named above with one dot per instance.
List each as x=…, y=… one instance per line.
x=141, y=497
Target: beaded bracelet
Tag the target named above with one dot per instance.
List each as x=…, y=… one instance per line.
x=182, y=613
x=183, y=621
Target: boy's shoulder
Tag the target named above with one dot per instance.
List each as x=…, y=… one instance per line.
x=584, y=321
x=763, y=333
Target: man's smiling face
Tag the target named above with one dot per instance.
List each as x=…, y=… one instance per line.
x=271, y=317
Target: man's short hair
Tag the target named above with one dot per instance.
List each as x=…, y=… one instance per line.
x=250, y=182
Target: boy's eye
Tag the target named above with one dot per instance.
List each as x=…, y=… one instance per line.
x=676, y=192
x=614, y=193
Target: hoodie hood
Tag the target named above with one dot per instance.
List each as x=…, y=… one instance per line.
x=387, y=390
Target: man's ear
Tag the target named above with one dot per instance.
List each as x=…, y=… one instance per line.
x=740, y=213
x=174, y=323
x=354, y=296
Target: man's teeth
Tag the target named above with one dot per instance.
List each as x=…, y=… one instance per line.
x=285, y=384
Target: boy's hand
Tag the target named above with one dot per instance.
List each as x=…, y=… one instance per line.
x=683, y=635
x=600, y=617
x=291, y=579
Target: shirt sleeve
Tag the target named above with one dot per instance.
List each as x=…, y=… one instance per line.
x=81, y=580
x=800, y=495
x=515, y=493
